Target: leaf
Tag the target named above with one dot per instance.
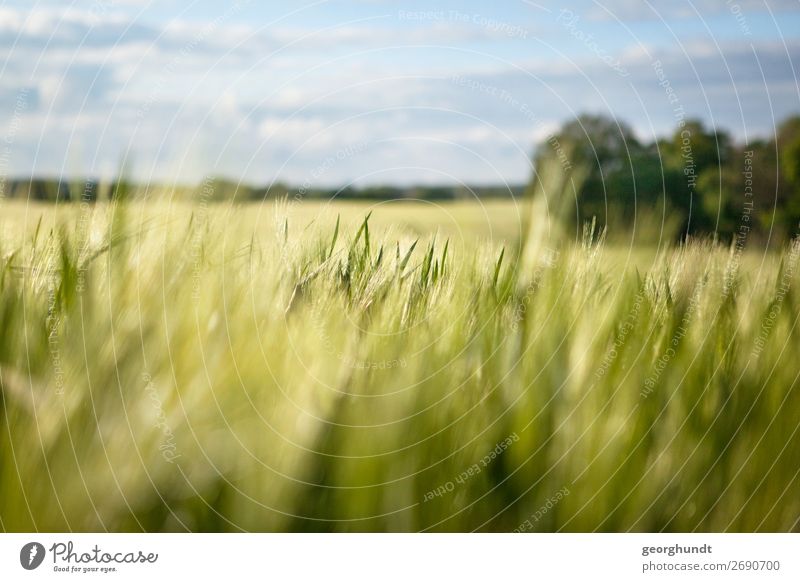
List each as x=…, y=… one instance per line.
x=405, y=260
x=497, y=267
x=335, y=236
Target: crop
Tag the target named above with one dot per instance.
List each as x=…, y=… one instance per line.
x=197, y=374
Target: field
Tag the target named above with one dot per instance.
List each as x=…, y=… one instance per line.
x=420, y=368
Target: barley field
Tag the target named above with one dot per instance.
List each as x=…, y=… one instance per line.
x=399, y=367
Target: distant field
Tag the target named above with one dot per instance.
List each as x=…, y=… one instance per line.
x=493, y=219
x=213, y=368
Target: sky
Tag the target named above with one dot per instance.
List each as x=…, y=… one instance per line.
x=333, y=93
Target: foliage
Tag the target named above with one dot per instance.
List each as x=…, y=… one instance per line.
x=697, y=173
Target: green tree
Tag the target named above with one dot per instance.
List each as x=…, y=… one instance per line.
x=787, y=144
x=607, y=150
x=700, y=156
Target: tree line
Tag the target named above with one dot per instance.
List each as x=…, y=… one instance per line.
x=215, y=189
x=698, y=176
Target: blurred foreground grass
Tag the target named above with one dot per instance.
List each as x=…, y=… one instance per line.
x=210, y=369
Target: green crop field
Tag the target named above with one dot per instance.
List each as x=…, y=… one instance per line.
x=315, y=367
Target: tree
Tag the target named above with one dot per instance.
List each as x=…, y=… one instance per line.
x=700, y=155
x=606, y=149
x=788, y=141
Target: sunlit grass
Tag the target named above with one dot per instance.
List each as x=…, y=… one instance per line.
x=210, y=371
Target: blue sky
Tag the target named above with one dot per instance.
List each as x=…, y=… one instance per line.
x=330, y=93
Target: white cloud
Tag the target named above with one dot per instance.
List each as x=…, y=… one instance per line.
x=116, y=83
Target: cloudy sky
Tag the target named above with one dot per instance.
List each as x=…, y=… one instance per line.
x=333, y=92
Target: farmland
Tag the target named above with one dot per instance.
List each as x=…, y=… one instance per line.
x=399, y=366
